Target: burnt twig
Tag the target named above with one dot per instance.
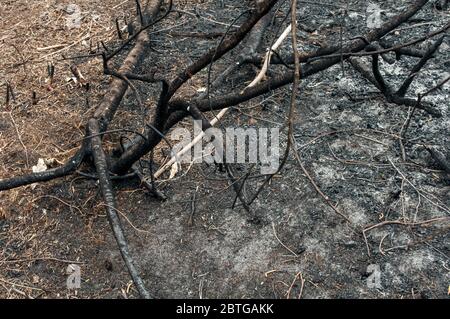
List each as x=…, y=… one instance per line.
x=416, y=69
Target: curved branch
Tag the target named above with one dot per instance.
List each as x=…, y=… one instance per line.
x=101, y=166
x=46, y=176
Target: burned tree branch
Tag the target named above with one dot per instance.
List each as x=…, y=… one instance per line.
x=111, y=206
x=391, y=97
x=379, y=81
x=48, y=175
x=141, y=147
x=416, y=69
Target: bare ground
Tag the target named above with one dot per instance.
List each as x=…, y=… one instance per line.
x=347, y=136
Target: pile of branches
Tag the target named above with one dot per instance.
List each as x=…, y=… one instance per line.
x=171, y=107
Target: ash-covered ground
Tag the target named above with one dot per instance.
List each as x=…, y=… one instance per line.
x=292, y=243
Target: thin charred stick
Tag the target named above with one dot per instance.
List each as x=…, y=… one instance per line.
x=104, y=46
x=208, y=86
x=148, y=78
x=341, y=38
x=119, y=32
x=193, y=208
x=113, y=131
x=105, y=184
x=112, y=177
x=241, y=188
x=209, y=35
x=150, y=186
x=237, y=188
x=390, y=97
x=139, y=12
x=408, y=51
x=405, y=127
x=314, y=184
x=416, y=69
x=437, y=87
x=155, y=191
x=125, y=79
x=8, y=97
x=380, y=84
x=197, y=115
x=394, y=48
x=385, y=56
x=280, y=60
x=408, y=120
x=81, y=56
x=133, y=35
x=420, y=96
x=11, y=92
x=50, y=72
x=130, y=31
x=303, y=58
x=427, y=107
x=34, y=99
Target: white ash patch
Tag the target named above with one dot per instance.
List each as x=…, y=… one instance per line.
x=327, y=175
x=314, y=246
x=416, y=261
x=354, y=212
x=350, y=117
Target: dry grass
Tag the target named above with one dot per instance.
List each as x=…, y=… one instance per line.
x=32, y=35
